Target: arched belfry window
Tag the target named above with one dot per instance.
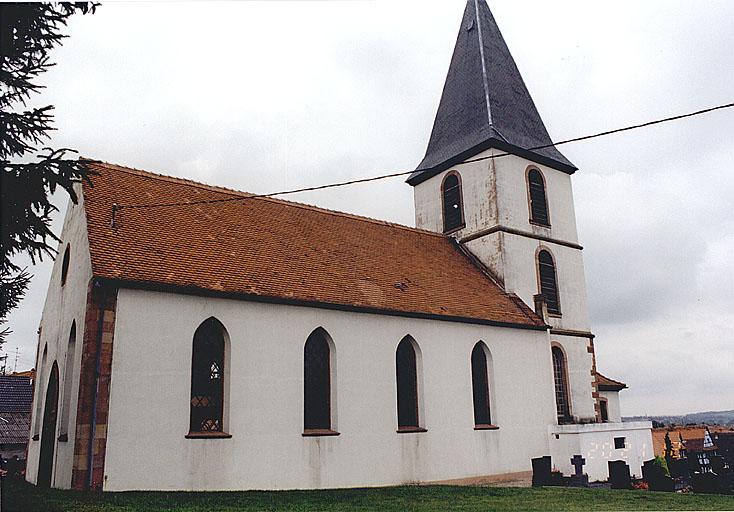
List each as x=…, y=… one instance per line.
x=560, y=379
x=207, y=378
x=453, y=209
x=407, y=375
x=538, y=201
x=548, y=281
x=480, y=386
x=317, y=372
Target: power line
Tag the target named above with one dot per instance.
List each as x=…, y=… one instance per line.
x=118, y=207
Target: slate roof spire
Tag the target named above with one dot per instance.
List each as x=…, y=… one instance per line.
x=485, y=103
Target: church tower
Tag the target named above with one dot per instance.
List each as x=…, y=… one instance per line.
x=492, y=179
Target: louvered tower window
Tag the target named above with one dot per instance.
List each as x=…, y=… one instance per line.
x=453, y=212
x=548, y=282
x=480, y=385
x=317, y=382
x=207, y=378
x=561, y=385
x=407, y=383
x=538, y=202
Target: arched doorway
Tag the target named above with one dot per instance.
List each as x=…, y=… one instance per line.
x=48, y=431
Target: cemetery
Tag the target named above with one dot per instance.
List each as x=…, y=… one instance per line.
x=685, y=474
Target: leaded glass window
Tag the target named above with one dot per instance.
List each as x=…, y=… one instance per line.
x=207, y=378
x=561, y=385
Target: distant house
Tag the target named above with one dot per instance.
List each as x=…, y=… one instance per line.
x=700, y=452
x=724, y=441
x=16, y=398
x=680, y=435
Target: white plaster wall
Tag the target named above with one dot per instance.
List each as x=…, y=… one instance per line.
x=613, y=408
x=514, y=205
x=595, y=442
x=150, y=387
x=477, y=186
x=521, y=278
x=495, y=193
x=579, y=362
x=63, y=306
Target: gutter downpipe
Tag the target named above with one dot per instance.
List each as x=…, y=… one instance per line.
x=97, y=374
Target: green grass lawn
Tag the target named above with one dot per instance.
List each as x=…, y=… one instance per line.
x=24, y=497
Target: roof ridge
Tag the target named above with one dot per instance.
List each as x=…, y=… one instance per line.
x=240, y=193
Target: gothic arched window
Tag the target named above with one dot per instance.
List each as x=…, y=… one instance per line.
x=68, y=379
x=480, y=385
x=538, y=201
x=207, y=378
x=453, y=210
x=317, y=382
x=40, y=373
x=560, y=379
x=548, y=281
x=65, y=265
x=406, y=372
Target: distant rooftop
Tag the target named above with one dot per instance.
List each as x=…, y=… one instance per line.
x=16, y=393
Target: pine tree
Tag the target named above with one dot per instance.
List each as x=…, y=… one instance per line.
x=30, y=172
x=668, y=446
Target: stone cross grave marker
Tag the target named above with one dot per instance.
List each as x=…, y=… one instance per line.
x=577, y=461
x=579, y=479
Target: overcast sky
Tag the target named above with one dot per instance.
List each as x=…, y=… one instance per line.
x=271, y=96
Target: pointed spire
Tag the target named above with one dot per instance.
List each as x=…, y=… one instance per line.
x=485, y=103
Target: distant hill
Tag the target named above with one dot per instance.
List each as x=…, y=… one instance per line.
x=697, y=418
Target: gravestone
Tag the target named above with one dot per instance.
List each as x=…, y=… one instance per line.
x=647, y=470
x=655, y=476
x=579, y=479
x=705, y=483
x=619, y=474
x=541, y=471
x=717, y=464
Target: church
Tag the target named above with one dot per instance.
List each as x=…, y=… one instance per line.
x=200, y=338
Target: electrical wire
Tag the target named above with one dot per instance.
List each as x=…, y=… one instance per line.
x=118, y=207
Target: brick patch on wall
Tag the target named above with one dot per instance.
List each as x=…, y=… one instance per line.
x=101, y=300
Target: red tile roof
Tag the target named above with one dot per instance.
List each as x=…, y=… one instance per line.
x=688, y=433
x=274, y=250
x=607, y=384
